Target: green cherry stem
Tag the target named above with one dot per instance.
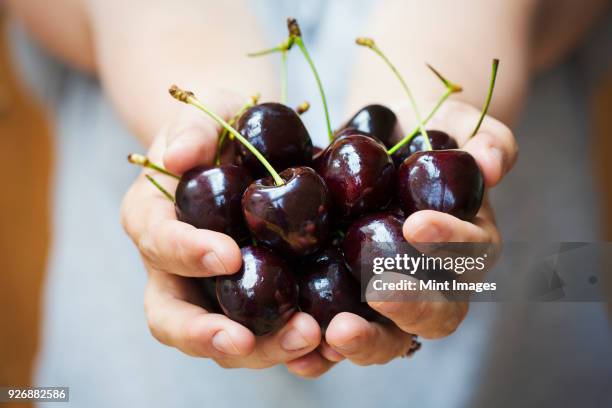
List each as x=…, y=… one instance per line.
x=144, y=161
x=485, y=108
x=189, y=98
x=295, y=35
x=279, y=48
x=368, y=42
x=247, y=105
x=283, y=74
x=160, y=188
x=283, y=48
x=451, y=88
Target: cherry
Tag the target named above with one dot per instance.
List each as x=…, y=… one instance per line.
x=292, y=218
x=327, y=288
x=278, y=133
x=377, y=121
x=382, y=230
x=209, y=198
x=262, y=295
x=359, y=174
x=449, y=181
x=439, y=141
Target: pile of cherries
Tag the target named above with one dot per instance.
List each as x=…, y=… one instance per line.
x=302, y=219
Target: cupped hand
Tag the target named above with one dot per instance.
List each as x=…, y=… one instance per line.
x=365, y=343
x=175, y=254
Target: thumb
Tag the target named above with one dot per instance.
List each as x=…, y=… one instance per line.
x=191, y=141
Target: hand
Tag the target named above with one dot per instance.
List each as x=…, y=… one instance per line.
x=174, y=253
x=364, y=343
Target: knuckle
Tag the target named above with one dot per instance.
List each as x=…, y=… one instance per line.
x=414, y=315
x=155, y=327
x=266, y=357
x=225, y=363
x=191, y=339
x=147, y=248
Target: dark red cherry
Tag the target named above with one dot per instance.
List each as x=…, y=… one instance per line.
x=262, y=295
x=278, y=133
x=375, y=235
x=292, y=218
x=449, y=181
x=439, y=141
x=209, y=198
x=359, y=174
x=376, y=120
x=326, y=288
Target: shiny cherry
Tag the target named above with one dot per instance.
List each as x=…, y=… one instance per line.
x=262, y=295
x=376, y=120
x=209, y=198
x=326, y=288
x=383, y=231
x=359, y=174
x=292, y=218
x=439, y=141
x=278, y=133
x=449, y=181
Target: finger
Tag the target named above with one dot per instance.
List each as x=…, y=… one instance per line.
x=366, y=343
x=182, y=249
x=329, y=353
x=430, y=226
x=495, y=151
x=192, y=138
x=430, y=315
x=312, y=365
x=191, y=329
x=300, y=335
x=170, y=245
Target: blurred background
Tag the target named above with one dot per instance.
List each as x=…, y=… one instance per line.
x=26, y=161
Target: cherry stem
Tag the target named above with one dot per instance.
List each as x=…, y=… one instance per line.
x=189, y=98
x=283, y=48
x=295, y=36
x=279, y=48
x=302, y=108
x=485, y=108
x=160, y=188
x=283, y=73
x=451, y=88
x=144, y=161
x=368, y=42
x=247, y=105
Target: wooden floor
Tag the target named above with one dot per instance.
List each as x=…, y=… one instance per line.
x=25, y=163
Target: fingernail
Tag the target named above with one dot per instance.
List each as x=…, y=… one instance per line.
x=212, y=263
x=333, y=355
x=428, y=233
x=181, y=142
x=350, y=346
x=293, y=340
x=497, y=155
x=222, y=342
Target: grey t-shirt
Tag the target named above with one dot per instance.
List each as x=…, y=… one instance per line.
x=95, y=338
